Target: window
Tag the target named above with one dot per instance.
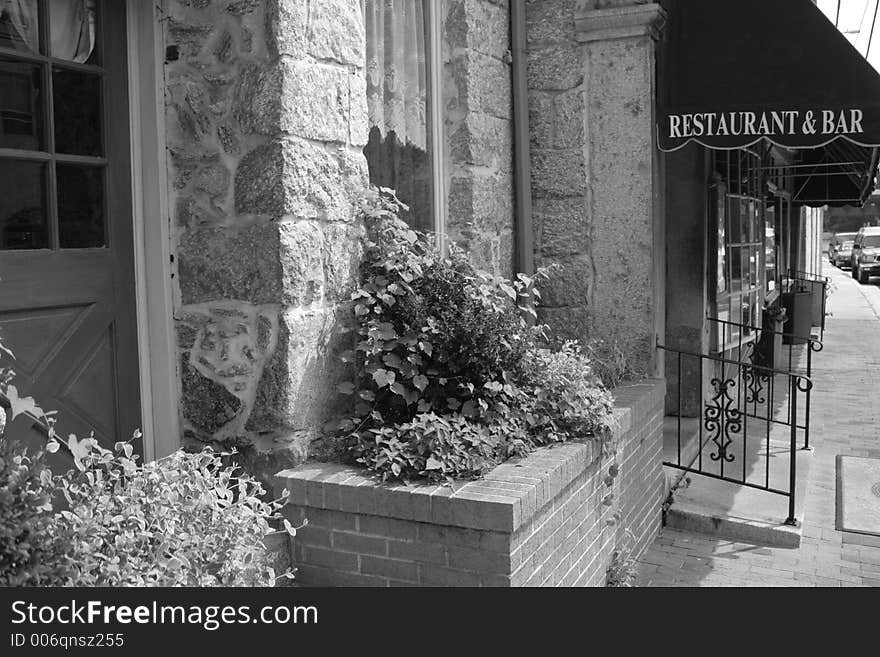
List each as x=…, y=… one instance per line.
x=741, y=271
x=404, y=108
x=52, y=160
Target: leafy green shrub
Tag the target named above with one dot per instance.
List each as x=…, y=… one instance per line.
x=26, y=488
x=186, y=520
x=566, y=397
x=448, y=378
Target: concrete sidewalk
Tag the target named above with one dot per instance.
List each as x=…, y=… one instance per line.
x=845, y=420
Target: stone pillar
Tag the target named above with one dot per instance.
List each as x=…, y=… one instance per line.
x=478, y=123
x=623, y=176
x=266, y=115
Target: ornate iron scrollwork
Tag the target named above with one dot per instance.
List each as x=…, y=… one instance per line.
x=722, y=418
x=754, y=381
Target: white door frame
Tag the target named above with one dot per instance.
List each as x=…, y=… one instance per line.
x=152, y=233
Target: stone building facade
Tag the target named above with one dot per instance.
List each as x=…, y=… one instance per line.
x=266, y=122
x=243, y=130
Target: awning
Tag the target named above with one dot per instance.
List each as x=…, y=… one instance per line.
x=742, y=73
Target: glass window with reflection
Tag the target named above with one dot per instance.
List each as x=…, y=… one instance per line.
x=52, y=160
x=399, y=66
x=741, y=266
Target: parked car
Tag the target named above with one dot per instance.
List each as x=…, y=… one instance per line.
x=842, y=255
x=866, y=254
x=836, y=242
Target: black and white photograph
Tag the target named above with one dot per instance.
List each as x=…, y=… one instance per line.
x=299, y=295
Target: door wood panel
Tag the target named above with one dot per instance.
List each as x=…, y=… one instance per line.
x=69, y=314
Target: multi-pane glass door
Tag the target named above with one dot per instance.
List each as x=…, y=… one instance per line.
x=53, y=155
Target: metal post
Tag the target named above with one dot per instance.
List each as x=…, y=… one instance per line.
x=792, y=454
x=807, y=408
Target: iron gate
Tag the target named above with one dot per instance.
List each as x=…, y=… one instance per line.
x=743, y=418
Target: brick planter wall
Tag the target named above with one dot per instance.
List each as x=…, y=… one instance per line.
x=537, y=521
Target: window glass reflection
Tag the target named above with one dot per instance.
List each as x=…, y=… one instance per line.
x=72, y=30
x=23, y=222
x=77, y=112
x=21, y=106
x=80, y=206
x=19, y=25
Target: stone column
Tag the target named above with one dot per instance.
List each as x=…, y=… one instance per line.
x=623, y=174
x=266, y=109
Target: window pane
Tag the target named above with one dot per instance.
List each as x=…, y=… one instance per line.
x=19, y=25
x=72, y=30
x=23, y=222
x=21, y=106
x=736, y=269
x=399, y=148
x=77, y=112
x=80, y=206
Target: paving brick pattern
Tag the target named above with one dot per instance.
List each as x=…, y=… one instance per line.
x=845, y=421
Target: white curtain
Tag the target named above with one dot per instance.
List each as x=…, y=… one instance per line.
x=397, y=82
x=71, y=26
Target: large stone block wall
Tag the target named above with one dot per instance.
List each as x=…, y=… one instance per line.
x=560, y=195
x=545, y=520
x=266, y=121
x=478, y=123
x=595, y=176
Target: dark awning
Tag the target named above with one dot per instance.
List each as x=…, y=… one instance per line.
x=739, y=73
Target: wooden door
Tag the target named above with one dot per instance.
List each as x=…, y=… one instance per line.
x=67, y=294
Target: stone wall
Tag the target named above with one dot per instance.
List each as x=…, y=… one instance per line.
x=478, y=123
x=560, y=194
x=266, y=121
x=544, y=520
x=596, y=188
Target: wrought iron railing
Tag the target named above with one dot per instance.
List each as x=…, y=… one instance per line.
x=747, y=416
x=773, y=349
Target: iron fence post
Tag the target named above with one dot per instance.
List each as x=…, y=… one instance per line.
x=792, y=454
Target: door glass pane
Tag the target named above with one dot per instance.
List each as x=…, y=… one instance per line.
x=21, y=106
x=399, y=148
x=19, y=25
x=72, y=30
x=77, y=112
x=23, y=222
x=80, y=206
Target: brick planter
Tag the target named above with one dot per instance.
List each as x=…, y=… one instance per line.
x=536, y=521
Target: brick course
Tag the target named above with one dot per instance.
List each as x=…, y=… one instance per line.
x=538, y=521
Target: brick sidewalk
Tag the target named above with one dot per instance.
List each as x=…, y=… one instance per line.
x=844, y=421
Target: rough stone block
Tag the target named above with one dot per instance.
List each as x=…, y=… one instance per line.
x=336, y=31
x=550, y=21
x=558, y=173
x=301, y=98
x=570, y=283
x=292, y=177
x=298, y=388
x=484, y=141
x=564, y=226
x=478, y=25
x=555, y=68
x=483, y=84
x=219, y=263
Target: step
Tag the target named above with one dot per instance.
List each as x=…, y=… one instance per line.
x=729, y=510
x=739, y=513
